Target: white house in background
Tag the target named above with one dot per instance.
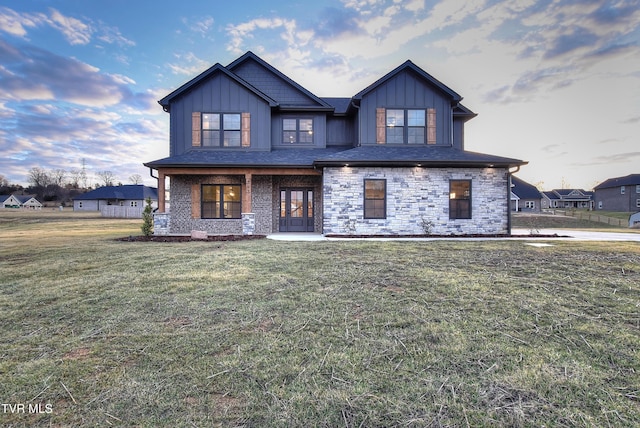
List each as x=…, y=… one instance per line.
x=9, y=201
x=29, y=202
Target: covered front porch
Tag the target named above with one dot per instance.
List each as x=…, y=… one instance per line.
x=270, y=200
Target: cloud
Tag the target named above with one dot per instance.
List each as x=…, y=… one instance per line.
x=613, y=159
x=201, y=26
x=31, y=73
x=16, y=24
x=565, y=43
x=74, y=30
x=241, y=32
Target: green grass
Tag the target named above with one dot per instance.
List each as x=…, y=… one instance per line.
x=549, y=221
x=269, y=333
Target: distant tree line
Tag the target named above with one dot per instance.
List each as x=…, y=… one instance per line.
x=60, y=185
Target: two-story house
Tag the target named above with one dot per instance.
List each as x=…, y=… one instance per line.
x=525, y=197
x=253, y=152
x=619, y=194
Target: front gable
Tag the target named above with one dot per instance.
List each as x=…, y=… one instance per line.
x=409, y=89
x=287, y=93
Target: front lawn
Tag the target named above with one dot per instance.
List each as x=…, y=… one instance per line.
x=268, y=333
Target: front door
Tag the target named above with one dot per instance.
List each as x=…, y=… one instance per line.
x=296, y=210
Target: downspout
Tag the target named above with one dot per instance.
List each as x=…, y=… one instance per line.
x=157, y=186
x=509, y=173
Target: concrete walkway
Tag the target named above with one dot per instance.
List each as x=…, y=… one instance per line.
x=521, y=234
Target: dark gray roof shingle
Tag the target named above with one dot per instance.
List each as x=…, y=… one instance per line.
x=441, y=156
x=244, y=158
x=129, y=191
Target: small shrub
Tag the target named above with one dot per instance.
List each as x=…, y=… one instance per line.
x=147, y=219
x=350, y=226
x=426, y=225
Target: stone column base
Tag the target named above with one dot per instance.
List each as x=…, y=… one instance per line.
x=161, y=223
x=248, y=223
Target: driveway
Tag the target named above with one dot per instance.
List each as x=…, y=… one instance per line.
x=583, y=235
x=522, y=234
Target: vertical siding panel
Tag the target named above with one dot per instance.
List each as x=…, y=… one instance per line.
x=431, y=126
x=381, y=126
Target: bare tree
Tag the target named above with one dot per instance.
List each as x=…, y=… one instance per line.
x=58, y=176
x=3, y=181
x=107, y=177
x=38, y=177
x=135, y=179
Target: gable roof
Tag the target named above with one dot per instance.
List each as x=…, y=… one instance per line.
x=524, y=190
x=568, y=194
x=418, y=155
x=629, y=180
x=251, y=57
x=25, y=198
x=215, y=69
x=408, y=65
x=129, y=191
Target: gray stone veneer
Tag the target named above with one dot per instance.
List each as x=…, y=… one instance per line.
x=415, y=197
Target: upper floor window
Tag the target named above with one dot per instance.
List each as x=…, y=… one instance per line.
x=297, y=131
x=459, y=199
x=406, y=126
x=622, y=189
x=637, y=188
x=221, y=129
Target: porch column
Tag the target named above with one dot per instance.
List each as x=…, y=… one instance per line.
x=161, y=190
x=246, y=195
x=248, y=218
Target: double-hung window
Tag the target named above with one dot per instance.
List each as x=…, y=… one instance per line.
x=459, y=199
x=375, y=198
x=406, y=126
x=297, y=131
x=221, y=129
x=221, y=201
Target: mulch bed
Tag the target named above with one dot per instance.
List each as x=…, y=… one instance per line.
x=159, y=238
x=169, y=238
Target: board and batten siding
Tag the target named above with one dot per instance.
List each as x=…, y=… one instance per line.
x=272, y=85
x=319, y=129
x=404, y=91
x=218, y=94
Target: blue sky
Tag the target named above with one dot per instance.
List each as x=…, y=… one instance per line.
x=554, y=82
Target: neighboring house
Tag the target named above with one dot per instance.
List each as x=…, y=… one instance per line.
x=619, y=194
x=525, y=197
x=251, y=151
x=132, y=195
x=29, y=202
x=567, y=199
x=9, y=201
